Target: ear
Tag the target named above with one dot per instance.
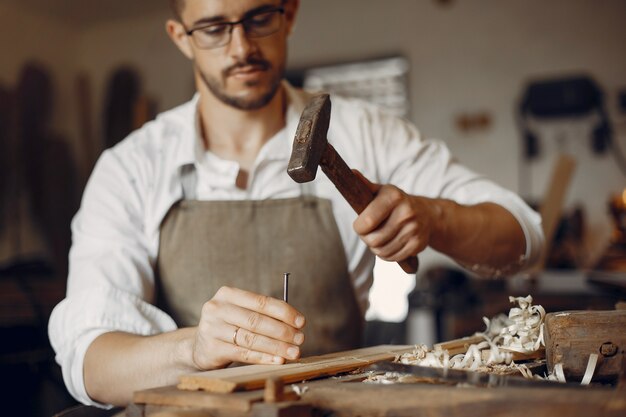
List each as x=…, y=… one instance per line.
x=177, y=33
x=291, y=10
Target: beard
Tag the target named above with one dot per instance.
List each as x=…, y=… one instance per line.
x=218, y=89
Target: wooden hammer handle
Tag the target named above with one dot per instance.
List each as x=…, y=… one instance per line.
x=355, y=191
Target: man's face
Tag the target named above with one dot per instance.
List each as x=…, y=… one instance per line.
x=246, y=72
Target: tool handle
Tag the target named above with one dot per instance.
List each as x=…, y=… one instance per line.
x=355, y=191
x=409, y=265
x=351, y=187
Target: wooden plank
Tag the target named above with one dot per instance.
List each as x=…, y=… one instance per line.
x=284, y=409
x=167, y=411
x=456, y=346
x=553, y=201
x=519, y=356
x=253, y=377
x=171, y=396
x=410, y=400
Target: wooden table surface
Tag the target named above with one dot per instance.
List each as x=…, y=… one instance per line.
x=335, y=397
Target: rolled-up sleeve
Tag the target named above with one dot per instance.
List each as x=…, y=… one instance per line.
x=446, y=178
x=427, y=168
x=111, y=279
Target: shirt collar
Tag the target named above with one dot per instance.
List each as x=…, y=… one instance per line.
x=187, y=126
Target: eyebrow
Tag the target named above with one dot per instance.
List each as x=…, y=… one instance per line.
x=222, y=18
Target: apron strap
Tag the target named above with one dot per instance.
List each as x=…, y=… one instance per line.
x=189, y=181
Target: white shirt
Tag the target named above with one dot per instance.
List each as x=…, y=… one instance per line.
x=116, y=231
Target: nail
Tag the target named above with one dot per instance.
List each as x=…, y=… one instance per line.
x=298, y=338
x=299, y=321
x=292, y=352
x=286, y=287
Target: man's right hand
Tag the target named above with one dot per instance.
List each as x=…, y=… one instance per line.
x=241, y=326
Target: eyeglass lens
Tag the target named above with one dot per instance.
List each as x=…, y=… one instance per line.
x=255, y=26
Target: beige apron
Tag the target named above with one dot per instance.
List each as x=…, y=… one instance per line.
x=249, y=245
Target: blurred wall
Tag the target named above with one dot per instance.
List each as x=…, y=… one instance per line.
x=468, y=56
x=27, y=35
x=477, y=56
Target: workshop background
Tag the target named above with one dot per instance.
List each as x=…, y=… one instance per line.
x=76, y=75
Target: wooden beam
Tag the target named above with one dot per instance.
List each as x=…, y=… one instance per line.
x=253, y=377
x=518, y=356
x=553, y=201
x=171, y=396
x=456, y=346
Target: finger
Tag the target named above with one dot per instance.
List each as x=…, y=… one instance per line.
x=385, y=234
x=260, y=324
x=394, y=233
x=259, y=343
x=218, y=344
x=239, y=336
x=410, y=249
x=376, y=212
x=390, y=247
x=372, y=186
x=233, y=353
x=406, y=243
x=263, y=304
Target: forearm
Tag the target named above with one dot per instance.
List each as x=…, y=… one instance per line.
x=117, y=364
x=235, y=326
x=481, y=236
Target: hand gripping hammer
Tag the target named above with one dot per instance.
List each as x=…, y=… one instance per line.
x=311, y=148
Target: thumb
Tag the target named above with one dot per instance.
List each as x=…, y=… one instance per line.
x=371, y=185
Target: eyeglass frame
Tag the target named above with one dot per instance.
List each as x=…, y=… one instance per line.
x=242, y=22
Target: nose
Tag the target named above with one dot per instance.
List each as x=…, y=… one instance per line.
x=240, y=46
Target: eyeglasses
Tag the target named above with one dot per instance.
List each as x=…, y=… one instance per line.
x=257, y=25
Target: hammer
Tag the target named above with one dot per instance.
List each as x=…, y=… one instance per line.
x=311, y=149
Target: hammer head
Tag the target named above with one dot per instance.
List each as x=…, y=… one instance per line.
x=310, y=141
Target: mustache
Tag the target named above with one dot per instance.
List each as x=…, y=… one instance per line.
x=258, y=63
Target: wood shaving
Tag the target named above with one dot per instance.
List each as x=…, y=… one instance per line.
x=300, y=389
x=521, y=331
x=591, y=366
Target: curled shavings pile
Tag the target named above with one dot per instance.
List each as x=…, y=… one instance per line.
x=522, y=331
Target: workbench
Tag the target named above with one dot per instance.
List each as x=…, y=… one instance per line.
x=347, y=395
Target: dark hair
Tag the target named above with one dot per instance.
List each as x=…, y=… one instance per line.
x=177, y=7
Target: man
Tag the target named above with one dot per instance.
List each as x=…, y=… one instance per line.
x=186, y=226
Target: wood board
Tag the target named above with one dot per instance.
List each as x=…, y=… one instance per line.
x=253, y=377
x=551, y=208
x=410, y=400
x=337, y=396
x=172, y=396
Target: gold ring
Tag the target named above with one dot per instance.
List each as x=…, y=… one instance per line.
x=235, y=337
